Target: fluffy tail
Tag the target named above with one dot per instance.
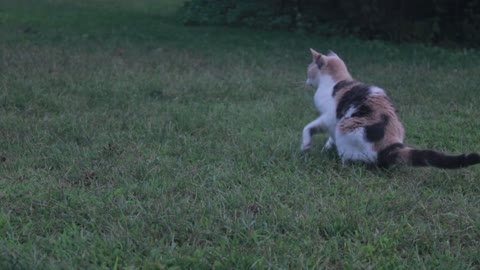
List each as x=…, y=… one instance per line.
x=400, y=154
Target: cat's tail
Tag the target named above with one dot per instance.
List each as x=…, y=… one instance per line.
x=398, y=153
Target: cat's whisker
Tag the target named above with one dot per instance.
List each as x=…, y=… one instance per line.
x=302, y=85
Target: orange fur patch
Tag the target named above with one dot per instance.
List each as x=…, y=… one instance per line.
x=336, y=68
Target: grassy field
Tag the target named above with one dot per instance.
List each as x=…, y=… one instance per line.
x=129, y=141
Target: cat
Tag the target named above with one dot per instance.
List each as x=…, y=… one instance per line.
x=362, y=121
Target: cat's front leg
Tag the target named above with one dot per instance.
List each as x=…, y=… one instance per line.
x=309, y=130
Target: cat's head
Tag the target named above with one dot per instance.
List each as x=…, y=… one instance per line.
x=326, y=66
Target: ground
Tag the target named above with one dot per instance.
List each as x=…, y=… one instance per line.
x=130, y=141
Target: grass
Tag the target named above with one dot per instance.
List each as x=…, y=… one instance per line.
x=129, y=141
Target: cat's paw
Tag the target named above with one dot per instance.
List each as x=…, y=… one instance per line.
x=325, y=148
x=306, y=145
x=306, y=140
x=304, y=148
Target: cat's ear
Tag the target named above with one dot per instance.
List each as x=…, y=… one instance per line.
x=332, y=53
x=315, y=54
x=317, y=58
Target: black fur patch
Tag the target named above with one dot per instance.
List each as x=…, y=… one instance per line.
x=440, y=160
x=362, y=111
x=340, y=85
x=353, y=98
x=431, y=158
x=472, y=158
x=375, y=132
x=388, y=156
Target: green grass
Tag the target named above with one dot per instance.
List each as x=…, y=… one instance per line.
x=129, y=141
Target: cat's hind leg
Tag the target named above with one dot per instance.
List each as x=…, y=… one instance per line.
x=328, y=145
x=352, y=146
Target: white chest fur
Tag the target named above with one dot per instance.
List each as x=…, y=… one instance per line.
x=323, y=99
x=325, y=102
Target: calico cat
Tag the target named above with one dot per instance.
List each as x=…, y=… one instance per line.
x=362, y=122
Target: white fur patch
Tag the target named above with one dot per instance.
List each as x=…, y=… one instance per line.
x=352, y=146
x=325, y=102
x=323, y=99
x=350, y=111
x=376, y=90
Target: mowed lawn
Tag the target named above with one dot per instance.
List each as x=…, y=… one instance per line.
x=130, y=141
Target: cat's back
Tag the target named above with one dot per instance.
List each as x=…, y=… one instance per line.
x=357, y=99
x=365, y=106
